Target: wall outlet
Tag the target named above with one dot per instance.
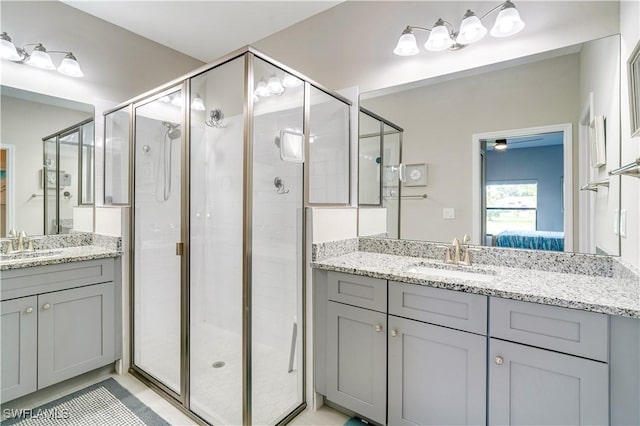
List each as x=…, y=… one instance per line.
x=623, y=223
x=448, y=213
x=616, y=222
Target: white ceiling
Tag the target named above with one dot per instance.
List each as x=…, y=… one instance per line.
x=204, y=30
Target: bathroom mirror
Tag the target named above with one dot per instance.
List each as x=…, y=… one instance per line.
x=47, y=164
x=544, y=108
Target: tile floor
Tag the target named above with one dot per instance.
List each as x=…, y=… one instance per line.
x=325, y=416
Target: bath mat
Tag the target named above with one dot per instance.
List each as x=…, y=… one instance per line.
x=104, y=404
x=354, y=421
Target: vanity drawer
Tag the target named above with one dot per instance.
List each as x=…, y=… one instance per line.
x=47, y=278
x=551, y=327
x=455, y=309
x=356, y=290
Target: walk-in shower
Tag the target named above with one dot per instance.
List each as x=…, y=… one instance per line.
x=217, y=233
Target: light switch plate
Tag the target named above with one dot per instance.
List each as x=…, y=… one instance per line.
x=448, y=213
x=623, y=223
x=616, y=222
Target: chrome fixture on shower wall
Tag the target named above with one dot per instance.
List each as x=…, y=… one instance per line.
x=173, y=132
x=216, y=119
x=39, y=57
x=444, y=36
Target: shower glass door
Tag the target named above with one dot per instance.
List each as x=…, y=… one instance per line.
x=391, y=145
x=50, y=186
x=216, y=238
x=157, y=231
x=276, y=250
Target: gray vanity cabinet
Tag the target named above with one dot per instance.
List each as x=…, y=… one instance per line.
x=19, y=323
x=529, y=385
x=58, y=321
x=357, y=359
x=437, y=375
x=75, y=332
x=564, y=379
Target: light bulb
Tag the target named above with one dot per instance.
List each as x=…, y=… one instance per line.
x=275, y=86
x=508, y=21
x=39, y=58
x=177, y=100
x=407, y=44
x=500, y=145
x=291, y=81
x=262, y=90
x=197, y=103
x=70, y=66
x=8, y=49
x=471, y=29
x=439, y=38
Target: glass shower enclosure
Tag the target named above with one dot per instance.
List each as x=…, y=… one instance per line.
x=379, y=172
x=217, y=238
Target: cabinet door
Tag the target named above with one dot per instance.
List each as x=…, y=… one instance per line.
x=75, y=332
x=357, y=360
x=437, y=375
x=534, y=386
x=19, y=324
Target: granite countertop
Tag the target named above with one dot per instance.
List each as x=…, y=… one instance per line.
x=615, y=296
x=60, y=255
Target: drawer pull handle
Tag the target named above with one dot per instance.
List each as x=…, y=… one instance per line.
x=29, y=310
x=499, y=360
x=394, y=333
x=46, y=306
x=378, y=328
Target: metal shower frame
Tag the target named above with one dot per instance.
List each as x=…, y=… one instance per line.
x=181, y=400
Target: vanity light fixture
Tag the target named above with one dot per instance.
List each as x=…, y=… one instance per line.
x=500, y=145
x=444, y=36
x=275, y=85
x=39, y=57
x=175, y=99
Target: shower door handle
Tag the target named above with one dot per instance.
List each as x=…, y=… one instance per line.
x=179, y=249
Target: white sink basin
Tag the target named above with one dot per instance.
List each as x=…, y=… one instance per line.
x=450, y=273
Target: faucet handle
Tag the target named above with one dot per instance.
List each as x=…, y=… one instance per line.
x=467, y=259
x=447, y=253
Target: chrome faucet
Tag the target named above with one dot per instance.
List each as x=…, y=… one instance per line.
x=461, y=253
x=22, y=243
x=456, y=250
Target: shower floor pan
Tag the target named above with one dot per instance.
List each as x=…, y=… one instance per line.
x=216, y=392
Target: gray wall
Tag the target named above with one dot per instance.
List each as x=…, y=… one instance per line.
x=542, y=164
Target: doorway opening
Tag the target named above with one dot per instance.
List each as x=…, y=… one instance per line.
x=522, y=188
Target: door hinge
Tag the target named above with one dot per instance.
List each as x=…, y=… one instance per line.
x=179, y=249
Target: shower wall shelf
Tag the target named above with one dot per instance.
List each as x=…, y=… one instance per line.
x=631, y=169
x=593, y=186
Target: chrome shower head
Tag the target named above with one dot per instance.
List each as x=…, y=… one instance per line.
x=173, y=130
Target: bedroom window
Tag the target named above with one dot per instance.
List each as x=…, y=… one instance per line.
x=511, y=206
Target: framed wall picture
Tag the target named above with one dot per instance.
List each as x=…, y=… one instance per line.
x=633, y=68
x=415, y=174
x=597, y=141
